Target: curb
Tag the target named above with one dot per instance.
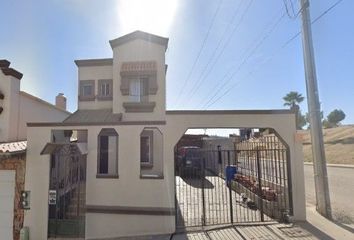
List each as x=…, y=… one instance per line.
x=334, y=165
x=326, y=226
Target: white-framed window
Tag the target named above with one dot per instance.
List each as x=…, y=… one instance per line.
x=138, y=89
x=105, y=89
x=107, y=160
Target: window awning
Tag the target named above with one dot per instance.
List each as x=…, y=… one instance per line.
x=140, y=67
x=51, y=148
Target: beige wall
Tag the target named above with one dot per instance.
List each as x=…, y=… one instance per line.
x=37, y=181
x=131, y=191
x=140, y=50
x=94, y=73
x=284, y=124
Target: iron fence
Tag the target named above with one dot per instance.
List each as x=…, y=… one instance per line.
x=256, y=188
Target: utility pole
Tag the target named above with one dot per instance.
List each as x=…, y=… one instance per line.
x=323, y=205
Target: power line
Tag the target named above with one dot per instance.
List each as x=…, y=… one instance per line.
x=218, y=87
x=282, y=47
x=253, y=51
x=197, y=84
x=200, y=51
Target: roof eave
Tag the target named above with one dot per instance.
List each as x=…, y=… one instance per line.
x=139, y=35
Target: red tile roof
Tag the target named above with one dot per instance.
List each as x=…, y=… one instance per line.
x=13, y=147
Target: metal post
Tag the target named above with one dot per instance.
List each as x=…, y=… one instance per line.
x=203, y=192
x=230, y=191
x=319, y=159
x=259, y=173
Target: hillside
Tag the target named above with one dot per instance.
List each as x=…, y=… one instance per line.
x=339, y=145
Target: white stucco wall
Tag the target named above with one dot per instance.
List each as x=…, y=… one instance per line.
x=140, y=50
x=94, y=73
x=10, y=87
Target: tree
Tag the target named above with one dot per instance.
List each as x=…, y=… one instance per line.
x=335, y=117
x=301, y=120
x=293, y=99
x=307, y=118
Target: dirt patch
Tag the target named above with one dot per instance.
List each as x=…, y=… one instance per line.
x=339, y=145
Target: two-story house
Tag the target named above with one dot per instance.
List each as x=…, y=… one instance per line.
x=107, y=170
x=16, y=109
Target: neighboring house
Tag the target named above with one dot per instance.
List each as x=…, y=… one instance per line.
x=117, y=178
x=16, y=109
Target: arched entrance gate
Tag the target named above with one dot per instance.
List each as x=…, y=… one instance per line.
x=259, y=191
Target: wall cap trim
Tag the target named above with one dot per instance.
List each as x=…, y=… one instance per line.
x=240, y=112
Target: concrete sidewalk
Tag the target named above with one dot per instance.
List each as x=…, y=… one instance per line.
x=315, y=228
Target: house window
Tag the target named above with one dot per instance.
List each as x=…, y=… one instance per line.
x=151, y=153
x=138, y=90
x=145, y=150
x=87, y=90
x=105, y=89
x=107, y=165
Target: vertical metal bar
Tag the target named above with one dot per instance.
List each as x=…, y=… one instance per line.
x=290, y=183
x=203, y=196
x=230, y=191
x=78, y=184
x=260, y=186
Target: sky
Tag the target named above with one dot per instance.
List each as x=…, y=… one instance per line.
x=222, y=54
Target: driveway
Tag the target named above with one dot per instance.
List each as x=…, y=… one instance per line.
x=341, y=186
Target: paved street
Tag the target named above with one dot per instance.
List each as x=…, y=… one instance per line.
x=341, y=184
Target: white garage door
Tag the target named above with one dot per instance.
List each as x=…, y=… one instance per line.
x=7, y=196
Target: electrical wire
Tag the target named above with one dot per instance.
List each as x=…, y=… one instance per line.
x=200, y=51
x=197, y=84
x=282, y=47
x=245, y=60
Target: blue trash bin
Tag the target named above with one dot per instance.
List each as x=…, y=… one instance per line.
x=230, y=171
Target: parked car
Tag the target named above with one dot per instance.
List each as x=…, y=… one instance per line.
x=189, y=161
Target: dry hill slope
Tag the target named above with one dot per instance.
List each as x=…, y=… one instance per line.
x=339, y=145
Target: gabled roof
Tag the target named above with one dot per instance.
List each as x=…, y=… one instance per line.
x=93, y=116
x=34, y=98
x=139, y=35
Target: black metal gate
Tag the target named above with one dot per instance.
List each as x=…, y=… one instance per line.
x=67, y=193
x=210, y=193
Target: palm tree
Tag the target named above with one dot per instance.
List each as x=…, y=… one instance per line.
x=292, y=99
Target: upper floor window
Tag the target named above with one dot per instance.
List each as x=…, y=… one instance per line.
x=87, y=90
x=105, y=89
x=138, y=90
x=107, y=162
